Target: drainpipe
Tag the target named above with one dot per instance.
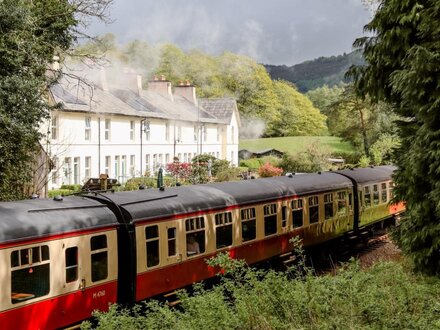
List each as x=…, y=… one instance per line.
x=142, y=128
x=99, y=146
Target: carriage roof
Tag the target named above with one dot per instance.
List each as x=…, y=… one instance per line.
x=32, y=219
x=153, y=203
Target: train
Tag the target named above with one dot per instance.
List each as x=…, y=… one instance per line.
x=63, y=258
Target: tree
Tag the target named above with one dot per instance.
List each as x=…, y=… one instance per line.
x=403, y=69
x=297, y=115
x=32, y=33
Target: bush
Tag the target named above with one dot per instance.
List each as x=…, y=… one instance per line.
x=268, y=170
x=228, y=174
x=272, y=160
x=251, y=163
x=385, y=296
x=59, y=192
x=148, y=182
x=73, y=187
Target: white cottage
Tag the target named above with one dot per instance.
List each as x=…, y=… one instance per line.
x=127, y=132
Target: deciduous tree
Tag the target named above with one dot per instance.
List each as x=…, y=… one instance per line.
x=32, y=32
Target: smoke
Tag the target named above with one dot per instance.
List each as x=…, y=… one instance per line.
x=252, y=128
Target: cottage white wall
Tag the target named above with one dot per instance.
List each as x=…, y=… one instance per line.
x=71, y=145
x=232, y=138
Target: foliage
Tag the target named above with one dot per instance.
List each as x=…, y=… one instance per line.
x=323, y=97
x=217, y=165
x=360, y=121
x=180, y=170
x=148, y=182
x=381, y=151
x=59, y=192
x=267, y=170
x=296, y=114
x=32, y=32
x=386, y=296
x=228, y=174
x=313, y=74
x=403, y=69
x=313, y=159
x=73, y=187
x=227, y=75
x=251, y=163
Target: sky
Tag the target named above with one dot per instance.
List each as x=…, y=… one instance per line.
x=270, y=31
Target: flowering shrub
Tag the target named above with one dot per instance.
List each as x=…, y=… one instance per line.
x=267, y=170
x=180, y=170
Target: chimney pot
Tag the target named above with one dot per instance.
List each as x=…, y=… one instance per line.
x=188, y=83
x=155, y=78
x=181, y=83
x=162, y=77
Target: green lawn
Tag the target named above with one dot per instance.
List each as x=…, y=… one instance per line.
x=295, y=144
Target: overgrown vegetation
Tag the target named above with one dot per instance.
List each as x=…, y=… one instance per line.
x=386, y=296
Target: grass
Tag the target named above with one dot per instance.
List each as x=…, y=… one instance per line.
x=296, y=144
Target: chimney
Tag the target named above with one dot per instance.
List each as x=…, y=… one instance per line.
x=160, y=86
x=133, y=81
x=103, y=80
x=187, y=91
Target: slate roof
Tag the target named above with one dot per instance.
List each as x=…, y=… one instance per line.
x=222, y=108
x=77, y=96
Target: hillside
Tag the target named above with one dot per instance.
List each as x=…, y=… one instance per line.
x=316, y=73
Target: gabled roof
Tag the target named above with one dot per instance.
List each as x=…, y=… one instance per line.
x=222, y=108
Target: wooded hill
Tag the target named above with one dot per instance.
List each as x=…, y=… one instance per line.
x=316, y=73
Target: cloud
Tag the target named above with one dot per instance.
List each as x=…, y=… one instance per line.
x=276, y=32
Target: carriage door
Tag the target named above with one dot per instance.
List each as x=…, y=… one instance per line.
x=172, y=249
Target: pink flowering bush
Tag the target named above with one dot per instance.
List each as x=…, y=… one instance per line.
x=267, y=170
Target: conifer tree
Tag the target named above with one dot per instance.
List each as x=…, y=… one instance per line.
x=403, y=69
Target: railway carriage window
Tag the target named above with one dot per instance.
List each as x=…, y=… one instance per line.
x=367, y=197
x=328, y=206
x=342, y=203
x=270, y=219
x=195, y=236
x=30, y=273
x=297, y=213
x=152, y=245
x=390, y=189
x=284, y=216
x=172, y=251
x=375, y=194
x=350, y=201
x=71, y=255
x=313, y=209
x=383, y=195
x=223, y=229
x=99, y=257
x=248, y=224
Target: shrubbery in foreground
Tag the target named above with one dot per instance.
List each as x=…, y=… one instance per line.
x=386, y=296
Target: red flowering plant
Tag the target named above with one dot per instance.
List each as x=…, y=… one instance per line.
x=179, y=170
x=268, y=170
